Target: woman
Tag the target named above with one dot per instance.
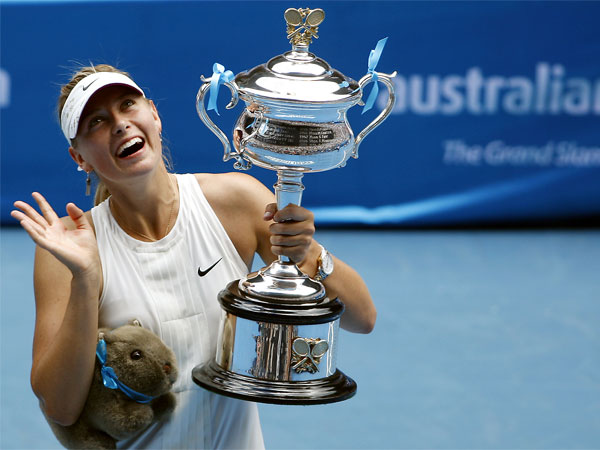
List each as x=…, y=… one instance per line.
x=137, y=255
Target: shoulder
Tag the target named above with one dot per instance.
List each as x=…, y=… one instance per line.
x=234, y=190
x=239, y=201
x=229, y=181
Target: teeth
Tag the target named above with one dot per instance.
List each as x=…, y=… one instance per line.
x=128, y=144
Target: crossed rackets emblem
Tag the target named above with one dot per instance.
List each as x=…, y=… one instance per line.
x=307, y=354
x=306, y=20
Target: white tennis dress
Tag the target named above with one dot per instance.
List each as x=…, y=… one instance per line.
x=158, y=284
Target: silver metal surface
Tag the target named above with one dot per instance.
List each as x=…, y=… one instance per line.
x=241, y=163
x=301, y=138
x=387, y=81
x=265, y=350
x=283, y=281
x=295, y=122
x=295, y=115
x=298, y=76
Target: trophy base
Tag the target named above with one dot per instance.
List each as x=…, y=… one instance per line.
x=335, y=388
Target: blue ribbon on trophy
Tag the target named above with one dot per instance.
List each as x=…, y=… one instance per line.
x=373, y=60
x=219, y=77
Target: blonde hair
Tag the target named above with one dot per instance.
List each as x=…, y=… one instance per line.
x=102, y=192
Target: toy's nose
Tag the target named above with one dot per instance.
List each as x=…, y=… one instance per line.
x=167, y=368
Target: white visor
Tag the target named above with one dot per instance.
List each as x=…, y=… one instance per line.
x=81, y=93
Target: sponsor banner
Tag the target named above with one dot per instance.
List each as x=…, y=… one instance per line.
x=496, y=118
x=549, y=91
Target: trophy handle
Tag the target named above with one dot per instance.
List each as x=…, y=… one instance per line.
x=256, y=127
x=386, y=79
x=241, y=163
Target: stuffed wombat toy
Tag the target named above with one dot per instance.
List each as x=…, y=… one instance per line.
x=134, y=373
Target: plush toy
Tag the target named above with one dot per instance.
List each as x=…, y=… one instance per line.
x=133, y=376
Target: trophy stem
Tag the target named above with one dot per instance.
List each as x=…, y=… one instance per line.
x=282, y=280
x=288, y=190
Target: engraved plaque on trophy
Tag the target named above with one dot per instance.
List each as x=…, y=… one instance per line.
x=279, y=334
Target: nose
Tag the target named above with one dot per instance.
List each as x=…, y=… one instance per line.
x=120, y=126
x=167, y=368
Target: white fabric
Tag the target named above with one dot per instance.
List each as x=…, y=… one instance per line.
x=158, y=284
x=81, y=93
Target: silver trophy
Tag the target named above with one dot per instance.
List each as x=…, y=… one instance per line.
x=279, y=333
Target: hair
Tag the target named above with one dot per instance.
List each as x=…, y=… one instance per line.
x=102, y=192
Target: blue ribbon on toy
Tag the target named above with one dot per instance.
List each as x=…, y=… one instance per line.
x=373, y=60
x=111, y=380
x=219, y=76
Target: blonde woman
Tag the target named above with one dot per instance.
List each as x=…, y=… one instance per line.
x=136, y=256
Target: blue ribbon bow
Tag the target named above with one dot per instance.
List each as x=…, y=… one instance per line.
x=220, y=76
x=373, y=60
x=111, y=380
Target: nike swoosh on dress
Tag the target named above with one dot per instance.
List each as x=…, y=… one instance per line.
x=204, y=272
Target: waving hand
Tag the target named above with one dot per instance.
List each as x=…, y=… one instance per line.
x=75, y=248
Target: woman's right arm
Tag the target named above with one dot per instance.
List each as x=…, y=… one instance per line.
x=67, y=282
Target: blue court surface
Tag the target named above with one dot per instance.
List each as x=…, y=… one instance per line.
x=484, y=340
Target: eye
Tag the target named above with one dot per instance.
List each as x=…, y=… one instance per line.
x=127, y=103
x=94, y=121
x=136, y=354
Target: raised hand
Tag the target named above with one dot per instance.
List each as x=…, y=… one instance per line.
x=75, y=248
x=292, y=232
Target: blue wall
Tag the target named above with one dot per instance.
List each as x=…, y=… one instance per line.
x=496, y=119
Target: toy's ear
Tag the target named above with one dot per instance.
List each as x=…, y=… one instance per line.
x=135, y=322
x=102, y=332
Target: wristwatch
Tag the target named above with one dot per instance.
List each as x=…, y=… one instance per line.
x=324, y=265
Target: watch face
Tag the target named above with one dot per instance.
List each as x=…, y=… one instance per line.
x=327, y=261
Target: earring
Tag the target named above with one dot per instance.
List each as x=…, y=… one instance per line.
x=88, y=185
x=88, y=181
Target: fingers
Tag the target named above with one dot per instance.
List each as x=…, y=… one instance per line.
x=293, y=213
x=49, y=216
x=292, y=232
x=27, y=213
x=289, y=213
x=77, y=215
x=270, y=211
x=237, y=139
x=294, y=248
x=36, y=224
x=290, y=228
x=45, y=207
x=30, y=212
x=37, y=232
x=34, y=229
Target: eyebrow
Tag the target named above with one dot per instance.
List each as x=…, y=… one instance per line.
x=128, y=93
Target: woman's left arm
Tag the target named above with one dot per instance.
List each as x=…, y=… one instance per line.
x=239, y=201
x=290, y=233
x=346, y=284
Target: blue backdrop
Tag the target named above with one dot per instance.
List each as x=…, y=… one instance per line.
x=496, y=118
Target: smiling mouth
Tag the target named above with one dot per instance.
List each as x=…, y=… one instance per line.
x=130, y=147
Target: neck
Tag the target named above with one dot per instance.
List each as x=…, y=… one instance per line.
x=147, y=210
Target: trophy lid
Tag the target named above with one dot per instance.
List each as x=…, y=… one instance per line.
x=298, y=75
